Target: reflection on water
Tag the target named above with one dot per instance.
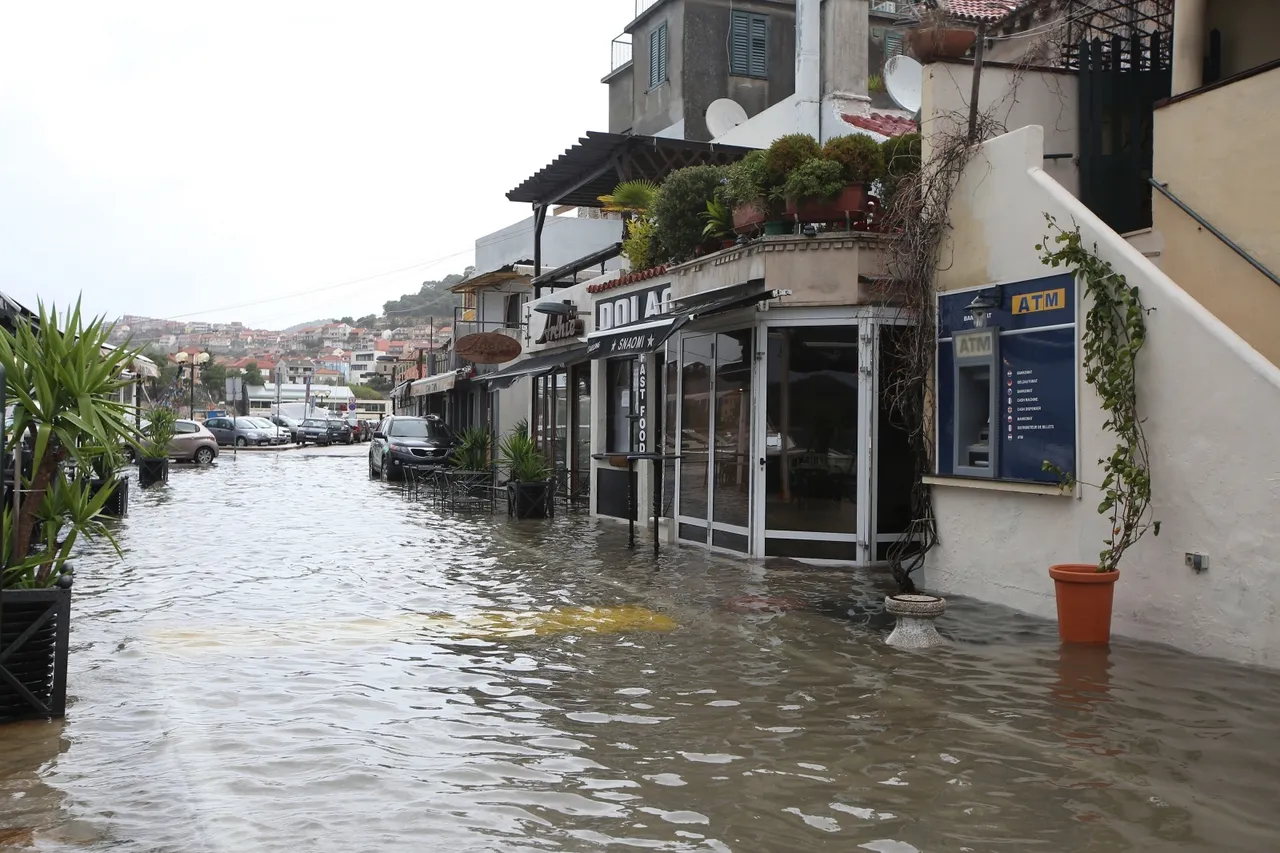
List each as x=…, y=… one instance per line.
x=294, y=658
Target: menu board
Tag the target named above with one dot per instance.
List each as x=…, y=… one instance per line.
x=1038, y=376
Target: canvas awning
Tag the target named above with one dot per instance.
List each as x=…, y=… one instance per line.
x=537, y=364
x=433, y=384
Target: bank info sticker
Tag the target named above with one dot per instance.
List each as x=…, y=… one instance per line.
x=1042, y=300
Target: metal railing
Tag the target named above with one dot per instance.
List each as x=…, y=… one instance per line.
x=1204, y=223
x=890, y=7
x=620, y=49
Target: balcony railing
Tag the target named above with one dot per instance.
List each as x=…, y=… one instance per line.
x=621, y=52
x=890, y=7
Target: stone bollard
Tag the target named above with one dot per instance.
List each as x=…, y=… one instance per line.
x=915, y=615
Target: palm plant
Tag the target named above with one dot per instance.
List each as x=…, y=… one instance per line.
x=719, y=219
x=519, y=454
x=65, y=388
x=631, y=197
x=159, y=433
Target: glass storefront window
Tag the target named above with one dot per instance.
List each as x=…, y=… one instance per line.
x=811, y=434
x=620, y=404
x=560, y=419
x=732, y=462
x=695, y=423
x=582, y=426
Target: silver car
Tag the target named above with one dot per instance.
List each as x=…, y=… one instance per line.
x=242, y=431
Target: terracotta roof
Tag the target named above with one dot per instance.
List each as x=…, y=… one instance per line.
x=629, y=278
x=885, y=125
x=985, y=10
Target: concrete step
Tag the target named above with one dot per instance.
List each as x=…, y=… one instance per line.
x=1147, y=241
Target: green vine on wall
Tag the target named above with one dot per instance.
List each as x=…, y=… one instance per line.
x=1115, y=330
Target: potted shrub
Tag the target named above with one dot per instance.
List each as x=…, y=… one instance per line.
x=530, y=490
x=65, y=390
x=153, y=451
x=106, y=475
x=1114, y=332
x=813, y=191
x=784, y=156
x=745, y=194
x=634, y=199
x=474, y=450
x=678, y=209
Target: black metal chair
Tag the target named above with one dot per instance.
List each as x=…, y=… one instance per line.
x=468, y=491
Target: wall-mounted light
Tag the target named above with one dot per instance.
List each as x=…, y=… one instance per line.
x=980, y=309
x=551, y=307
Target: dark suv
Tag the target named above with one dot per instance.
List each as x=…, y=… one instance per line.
x=323, y=431
x=402, y=442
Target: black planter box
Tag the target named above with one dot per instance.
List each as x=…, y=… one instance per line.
x=35, y=625
x=117, y=505
x=531, y=500
x=152, y=471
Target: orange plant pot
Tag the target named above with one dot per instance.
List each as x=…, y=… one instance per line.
x=1084, y=602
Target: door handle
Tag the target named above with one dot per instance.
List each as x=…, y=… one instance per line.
x=761, y=461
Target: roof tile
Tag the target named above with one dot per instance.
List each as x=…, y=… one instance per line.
x=885, y=125
x=984, y=10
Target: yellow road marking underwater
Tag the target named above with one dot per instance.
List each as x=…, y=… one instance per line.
x=489, y=625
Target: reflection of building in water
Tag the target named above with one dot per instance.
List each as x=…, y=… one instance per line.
x=31, y=807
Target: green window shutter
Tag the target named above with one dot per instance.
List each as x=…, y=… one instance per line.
x=760, y=45
x=892, y=45
x=658, y=56
x=740, y=43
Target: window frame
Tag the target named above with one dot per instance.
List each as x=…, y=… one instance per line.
x=756, y=44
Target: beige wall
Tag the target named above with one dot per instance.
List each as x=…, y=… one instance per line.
x=819, y=271
x=1211, y=404
x=1250, y=33
x=1216, y=151
x=1017, y=98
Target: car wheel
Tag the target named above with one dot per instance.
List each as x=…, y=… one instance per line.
x=242, y=442
x=204, y=456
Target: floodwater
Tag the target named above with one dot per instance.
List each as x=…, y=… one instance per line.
x=292, y=657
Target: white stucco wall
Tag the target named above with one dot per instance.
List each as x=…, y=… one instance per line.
x=1211, y=404
x=564, y=239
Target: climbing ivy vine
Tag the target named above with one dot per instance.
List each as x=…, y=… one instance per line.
x=1115, y=330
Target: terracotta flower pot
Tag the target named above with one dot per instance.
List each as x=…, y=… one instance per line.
x=852, y=200
x=747, y=218
x=930, y=43
x=1084, y=602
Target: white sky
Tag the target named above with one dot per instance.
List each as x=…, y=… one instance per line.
x=180, y=158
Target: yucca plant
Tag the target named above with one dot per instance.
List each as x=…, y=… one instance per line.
x=159, y=433
x=719, y=219
x=474, y=450
x=519, y=454
x=65, y=389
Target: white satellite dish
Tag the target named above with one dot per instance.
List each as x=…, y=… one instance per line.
x=723, y=115
x=904, y=78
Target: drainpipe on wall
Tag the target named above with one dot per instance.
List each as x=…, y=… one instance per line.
x=809, y=67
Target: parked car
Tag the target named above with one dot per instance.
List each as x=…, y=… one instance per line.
x=323, y=431
x=291, y=424
x=363, y=430
x=283, y=434
x=191, y=442
x=402, y=442
x=242, y=431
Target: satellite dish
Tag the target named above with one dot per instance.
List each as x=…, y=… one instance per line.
x=904, y=78
x=723, y=115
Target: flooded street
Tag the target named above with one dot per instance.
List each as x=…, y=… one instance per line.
x=294, y=657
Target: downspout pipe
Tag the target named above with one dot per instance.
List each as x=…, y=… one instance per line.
x=809, y=67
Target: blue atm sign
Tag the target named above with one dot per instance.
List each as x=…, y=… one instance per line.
x=1041, y=300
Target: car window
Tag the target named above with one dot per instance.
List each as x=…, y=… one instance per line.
x=186, y=427
x=418, y=428
x=217, y=423
x=248, y=423
x=309, y=422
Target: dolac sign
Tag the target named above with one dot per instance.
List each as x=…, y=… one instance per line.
x=632, y=308
x=487, y=348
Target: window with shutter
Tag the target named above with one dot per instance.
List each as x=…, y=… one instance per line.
x=658, y=56
x=749, y=44
x=892, y=45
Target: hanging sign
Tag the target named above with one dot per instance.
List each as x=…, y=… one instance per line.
x=561, y=327
x=487, y=348
x=642, y=408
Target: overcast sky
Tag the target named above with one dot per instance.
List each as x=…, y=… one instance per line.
x=179, y=159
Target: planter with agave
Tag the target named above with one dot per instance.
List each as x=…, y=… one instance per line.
x=65, y=390
x=1114, y=332
x=153, y=457
x=530, y=489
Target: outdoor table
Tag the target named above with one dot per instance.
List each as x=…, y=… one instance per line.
x=632, y=509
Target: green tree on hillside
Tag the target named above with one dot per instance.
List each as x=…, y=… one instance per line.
x=433, y=299
x=252, y=375
x=365, y=392
x=366, y=321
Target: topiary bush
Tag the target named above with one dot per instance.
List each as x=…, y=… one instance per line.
x=786, y=153
x=678, y=209
x=860, y=157
x=817, y=179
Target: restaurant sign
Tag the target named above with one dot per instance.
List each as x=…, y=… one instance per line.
x=632, y=308
x=561, y=327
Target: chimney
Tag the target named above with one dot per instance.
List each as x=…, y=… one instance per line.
x=846, y=33
x=809, y=65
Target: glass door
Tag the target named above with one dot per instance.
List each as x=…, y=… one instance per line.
x=715, y=473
